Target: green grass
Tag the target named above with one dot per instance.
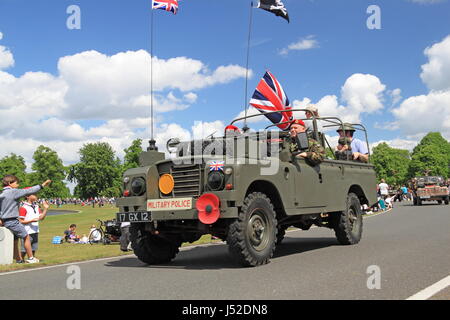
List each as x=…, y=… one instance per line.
x=51, y=254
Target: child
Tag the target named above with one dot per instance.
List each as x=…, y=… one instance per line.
x=9, y=200
x=29, y=215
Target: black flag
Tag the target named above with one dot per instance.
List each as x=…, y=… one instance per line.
x=275, y=6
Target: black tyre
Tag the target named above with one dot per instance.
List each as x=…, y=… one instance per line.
x=439, y=201
x=348, y=224
x=415, y=201
x=446, y=200
x=281, y=233
x=419, y=201
x=96, y=236
x=251, y=238
x=151, y=249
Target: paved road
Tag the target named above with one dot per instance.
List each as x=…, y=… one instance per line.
x=409, y=244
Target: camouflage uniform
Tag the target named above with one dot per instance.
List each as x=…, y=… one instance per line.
x=315, y=153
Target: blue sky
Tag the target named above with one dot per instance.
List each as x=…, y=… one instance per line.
x=214, y=33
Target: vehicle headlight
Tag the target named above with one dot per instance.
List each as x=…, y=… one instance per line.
x=126, y=179
x=138, y=186
x=216, y=180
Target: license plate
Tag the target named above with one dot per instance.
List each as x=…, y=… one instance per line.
x=134, y=216
x=172, y=204
x=425, y=197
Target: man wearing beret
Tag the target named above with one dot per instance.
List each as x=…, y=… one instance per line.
x=315, y=153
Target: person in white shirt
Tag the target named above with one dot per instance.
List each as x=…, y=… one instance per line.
x=29, y=215
x=384, y=189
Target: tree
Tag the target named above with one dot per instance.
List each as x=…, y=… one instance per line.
x=98, y=173
x=131, y=159
x=48, y=165
x=15, y=165
x=391, y=164
x=431, y=156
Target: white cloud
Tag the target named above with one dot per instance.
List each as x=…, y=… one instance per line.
x=40, y=108
x=363, y=93
x=302, y=44
x=436, y=73
x=405, y=144
x=418, y=115
x=396, y=95
x=424, y=113
x=6, y=58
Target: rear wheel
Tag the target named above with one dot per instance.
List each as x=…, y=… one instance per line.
x=439, y=201
x=446, y=200
x=152, y=249
x=96, y=236
x=348, y=224
x=252, y=236
x=419, y=201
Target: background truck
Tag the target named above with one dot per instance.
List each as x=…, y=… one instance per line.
x=429, y=188
x=245, y=189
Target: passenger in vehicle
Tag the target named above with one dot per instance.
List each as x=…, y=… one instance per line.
x=311, y=110
x=315, y=153
x=358, y=147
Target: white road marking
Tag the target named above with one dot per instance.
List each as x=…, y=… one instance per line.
x=431, y=290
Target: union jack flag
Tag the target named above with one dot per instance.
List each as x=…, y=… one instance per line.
x=216, y=165
x=269, y=96
x=168, y=5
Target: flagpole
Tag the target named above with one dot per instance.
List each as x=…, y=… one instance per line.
x=152, y=141
x=245, y=128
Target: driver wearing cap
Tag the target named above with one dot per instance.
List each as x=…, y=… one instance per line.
x=315, y=153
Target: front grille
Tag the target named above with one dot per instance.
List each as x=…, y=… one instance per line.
x=187, y=180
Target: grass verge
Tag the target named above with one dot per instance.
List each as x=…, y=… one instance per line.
x=51, y=254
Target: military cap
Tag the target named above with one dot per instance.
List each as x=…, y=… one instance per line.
x=347, y=127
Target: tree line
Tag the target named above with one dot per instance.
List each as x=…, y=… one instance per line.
x=98, y=173
x=396, y=166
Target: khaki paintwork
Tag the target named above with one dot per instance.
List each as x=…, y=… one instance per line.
x=302, y=189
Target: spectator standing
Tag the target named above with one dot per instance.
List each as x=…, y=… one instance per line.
x=384, y=189
x=9, y=213
x=29, y=215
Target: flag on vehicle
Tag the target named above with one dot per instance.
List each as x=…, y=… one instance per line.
x=216, y=165
x=269, y=96
x=275, y=6
x=168, y=5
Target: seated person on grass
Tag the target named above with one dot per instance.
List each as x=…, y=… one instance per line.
x=70, y=235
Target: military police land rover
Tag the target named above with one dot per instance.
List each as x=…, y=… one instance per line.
x=245, y=189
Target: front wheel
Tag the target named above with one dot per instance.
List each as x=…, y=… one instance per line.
x=152, y=249
x=348, y=224
x=252, y=236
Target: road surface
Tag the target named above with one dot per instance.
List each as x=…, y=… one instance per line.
x=409, y=246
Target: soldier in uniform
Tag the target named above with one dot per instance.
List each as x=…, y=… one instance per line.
x=315, y=153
